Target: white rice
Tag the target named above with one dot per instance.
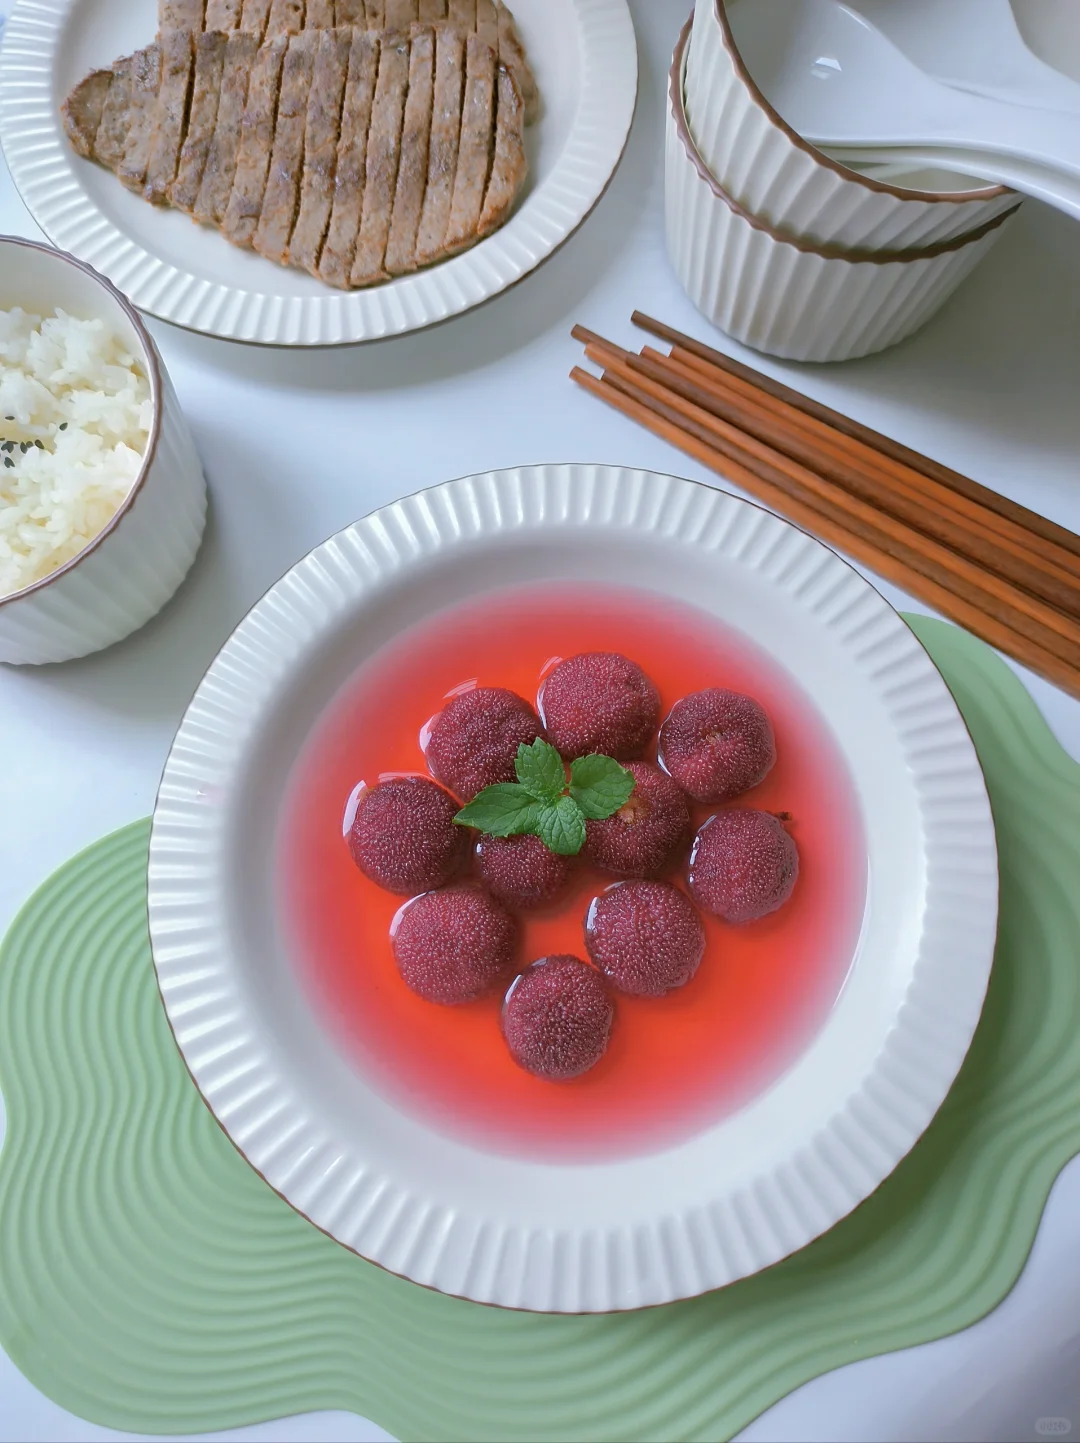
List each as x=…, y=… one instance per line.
x=56, y=496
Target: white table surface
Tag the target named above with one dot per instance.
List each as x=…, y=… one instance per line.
x=298, y=445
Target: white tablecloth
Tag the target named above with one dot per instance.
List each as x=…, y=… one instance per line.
x=298, y=445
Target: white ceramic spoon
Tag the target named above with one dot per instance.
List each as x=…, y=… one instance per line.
x=973, y=45
x=843, y=84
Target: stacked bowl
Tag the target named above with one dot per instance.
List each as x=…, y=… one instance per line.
x=781, y=246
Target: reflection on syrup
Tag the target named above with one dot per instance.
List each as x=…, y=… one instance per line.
x=676, y=1063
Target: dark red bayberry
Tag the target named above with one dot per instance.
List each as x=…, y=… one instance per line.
x=521, y=871
x=475, y=738
x=454, y=945
x=646, y=937
x=743, y=865
x=404, y=838
x=557, y=1018
x=599, y=702
x=716, y=744
x=645, y=833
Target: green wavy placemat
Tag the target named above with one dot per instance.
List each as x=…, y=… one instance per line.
x=149, y=1280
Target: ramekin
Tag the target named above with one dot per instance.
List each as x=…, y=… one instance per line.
x=785, y=296
x=777, y=175
x=127, y=573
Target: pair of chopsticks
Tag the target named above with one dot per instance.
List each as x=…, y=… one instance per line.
x=1007, y=574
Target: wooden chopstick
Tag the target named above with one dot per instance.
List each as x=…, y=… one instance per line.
x=1043, y=567
x=884, y=445
x=1043, y=624
x=986, y=617
x=958, y=526
x=849, y=461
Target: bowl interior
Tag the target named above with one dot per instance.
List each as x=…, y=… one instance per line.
x=920, y=178
x=42, y=280
x=761, y=36
x=271, y=980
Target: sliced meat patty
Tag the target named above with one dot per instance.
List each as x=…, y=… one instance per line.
x=220, y=169
x=223, y=15
x=320, y=148
x=477, y=145
x=181, y=15
x=286, y=18
x=512, y=55
x=82, y=111
x=206, y=87
x=490, y=19
x=352, y=154
x=509, y=166
x=413, y=166
x=335, y=264
x=487, y=23
x=400, y=14
x=254, y=16
x=256, y=142
x=383, y=154
x=281, y=198
x=445, y=138
x=171, y=114
x=111, y=141
x=145, y=84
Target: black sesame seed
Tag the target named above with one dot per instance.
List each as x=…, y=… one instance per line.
x=8, y=461
x=63, y=425
x=24, y=446
x=40, y=445
x=9, y=418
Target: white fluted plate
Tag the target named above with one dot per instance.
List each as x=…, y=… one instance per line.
x=584, y=54
x=740, y=1194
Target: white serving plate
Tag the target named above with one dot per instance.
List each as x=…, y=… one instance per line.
x=740, y=1194
x=584, y=55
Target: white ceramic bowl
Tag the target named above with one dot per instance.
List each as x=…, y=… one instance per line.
x=130, y=569
x=580, y=1235
x=786, y=296
x=777, y=175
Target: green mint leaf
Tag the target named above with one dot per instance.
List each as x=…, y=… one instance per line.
x=561, y=827
x=600, y=786
x=504, y=810
x=540, y=770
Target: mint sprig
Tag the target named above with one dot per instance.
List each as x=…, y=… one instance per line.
x=544, y=804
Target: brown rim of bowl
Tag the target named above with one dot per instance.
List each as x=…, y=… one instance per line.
x=826, y=252
x=153, y=370
x=956, y=197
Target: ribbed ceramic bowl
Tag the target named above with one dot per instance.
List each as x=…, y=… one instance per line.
x=353, y=1149
x=777, y=175
x=788, y=297
x=130, y=569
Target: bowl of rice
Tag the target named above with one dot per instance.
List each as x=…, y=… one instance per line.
x=102, y=496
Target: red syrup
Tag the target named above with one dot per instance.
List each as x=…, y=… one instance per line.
x=676, y=1064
